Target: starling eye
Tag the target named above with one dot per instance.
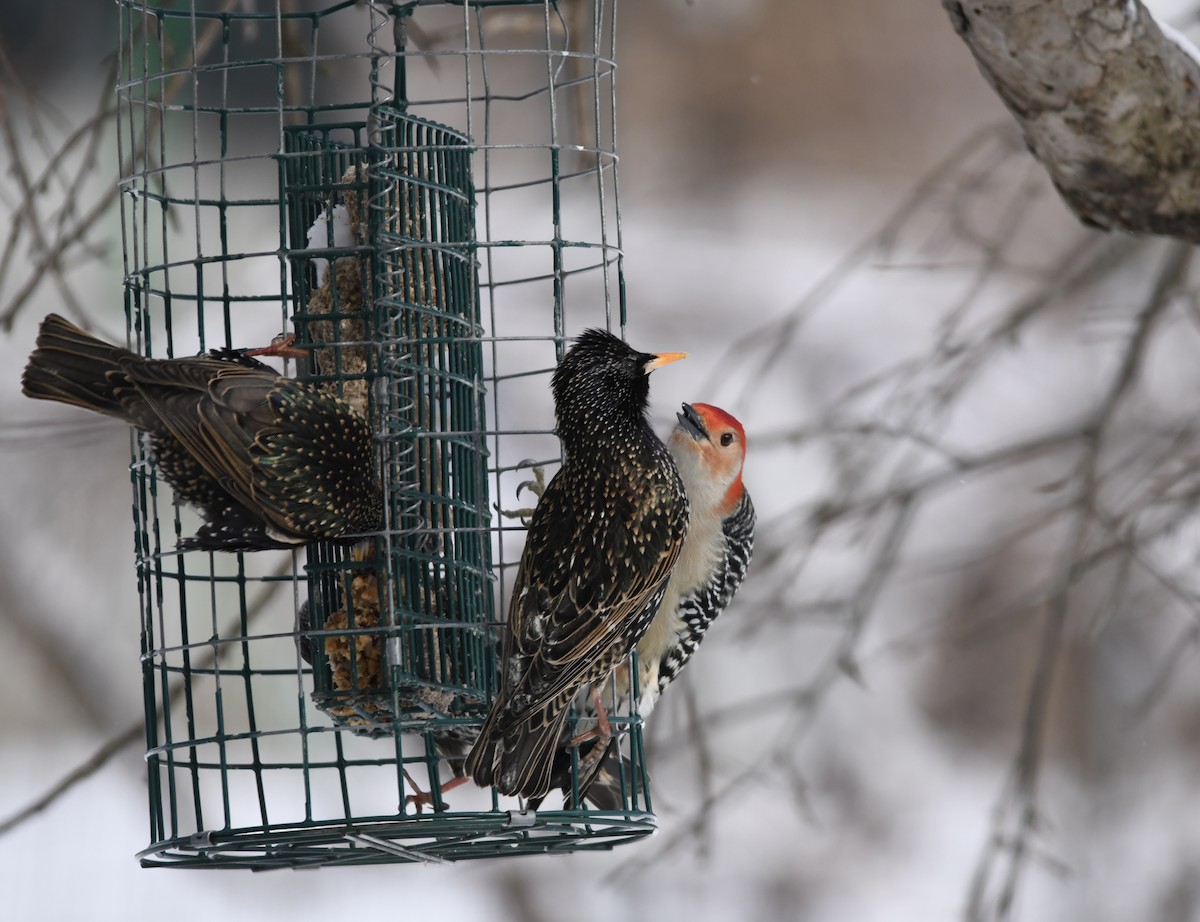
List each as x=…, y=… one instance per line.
x=727, y=438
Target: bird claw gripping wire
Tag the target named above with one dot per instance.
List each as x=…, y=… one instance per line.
x=283, y=346
x=536, y=486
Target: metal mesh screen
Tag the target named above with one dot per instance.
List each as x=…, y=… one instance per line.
x=426, y=194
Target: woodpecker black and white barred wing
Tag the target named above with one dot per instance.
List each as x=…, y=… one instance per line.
x=739, y=544
x=700, y=608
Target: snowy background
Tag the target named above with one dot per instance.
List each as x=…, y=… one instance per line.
x=824, y=205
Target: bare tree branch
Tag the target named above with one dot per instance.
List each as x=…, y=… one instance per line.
x=80, y=773
x=136, y=731
x=74, y=224
x=1018, y=804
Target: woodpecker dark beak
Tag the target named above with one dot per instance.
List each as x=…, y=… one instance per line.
x=692, y=423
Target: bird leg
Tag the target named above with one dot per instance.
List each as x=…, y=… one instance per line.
x=603, y=729
x=421, y=798
x=537, y=487
x=282, y=346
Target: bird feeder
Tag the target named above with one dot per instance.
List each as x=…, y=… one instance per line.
x=425, y=193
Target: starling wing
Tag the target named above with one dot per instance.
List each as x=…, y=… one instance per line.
x=577, y=611
x=270, y=462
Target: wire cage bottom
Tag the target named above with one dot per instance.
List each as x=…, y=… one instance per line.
x=437, y=839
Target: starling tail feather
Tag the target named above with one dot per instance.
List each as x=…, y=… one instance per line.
x=268, y=461
x=600, y=548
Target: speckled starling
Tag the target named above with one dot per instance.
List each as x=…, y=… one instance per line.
x=709, y=447
x=600, y=548
x=269, y=462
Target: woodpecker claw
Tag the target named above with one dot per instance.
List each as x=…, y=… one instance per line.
x=537, y=486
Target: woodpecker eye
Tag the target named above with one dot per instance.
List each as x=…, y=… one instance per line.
x=727, y=438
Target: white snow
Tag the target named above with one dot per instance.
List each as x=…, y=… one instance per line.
x=1178, y=38
x=338, y=225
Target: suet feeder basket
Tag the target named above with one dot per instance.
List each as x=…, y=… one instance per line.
x=425, y=193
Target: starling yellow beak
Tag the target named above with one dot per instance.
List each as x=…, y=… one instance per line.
x=664, y=358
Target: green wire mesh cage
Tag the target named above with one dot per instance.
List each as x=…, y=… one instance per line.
x=397, y=307
x=425, y=194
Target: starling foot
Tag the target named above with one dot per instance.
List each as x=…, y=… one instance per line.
x=282, y=346
x=421, y=798
x=537, y=487
x=603, y=729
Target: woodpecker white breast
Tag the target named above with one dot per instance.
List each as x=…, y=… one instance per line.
x=709, y=447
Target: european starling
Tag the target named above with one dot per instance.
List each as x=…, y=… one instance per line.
x=709, y=447
x=269, y=462
x=600, y=547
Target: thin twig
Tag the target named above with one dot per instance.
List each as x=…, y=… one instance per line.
x=1020, y=796
x=841, y=663
x=137, y=731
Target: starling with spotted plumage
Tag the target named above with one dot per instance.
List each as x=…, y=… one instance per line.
x=600, y=548
x=269, y=462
